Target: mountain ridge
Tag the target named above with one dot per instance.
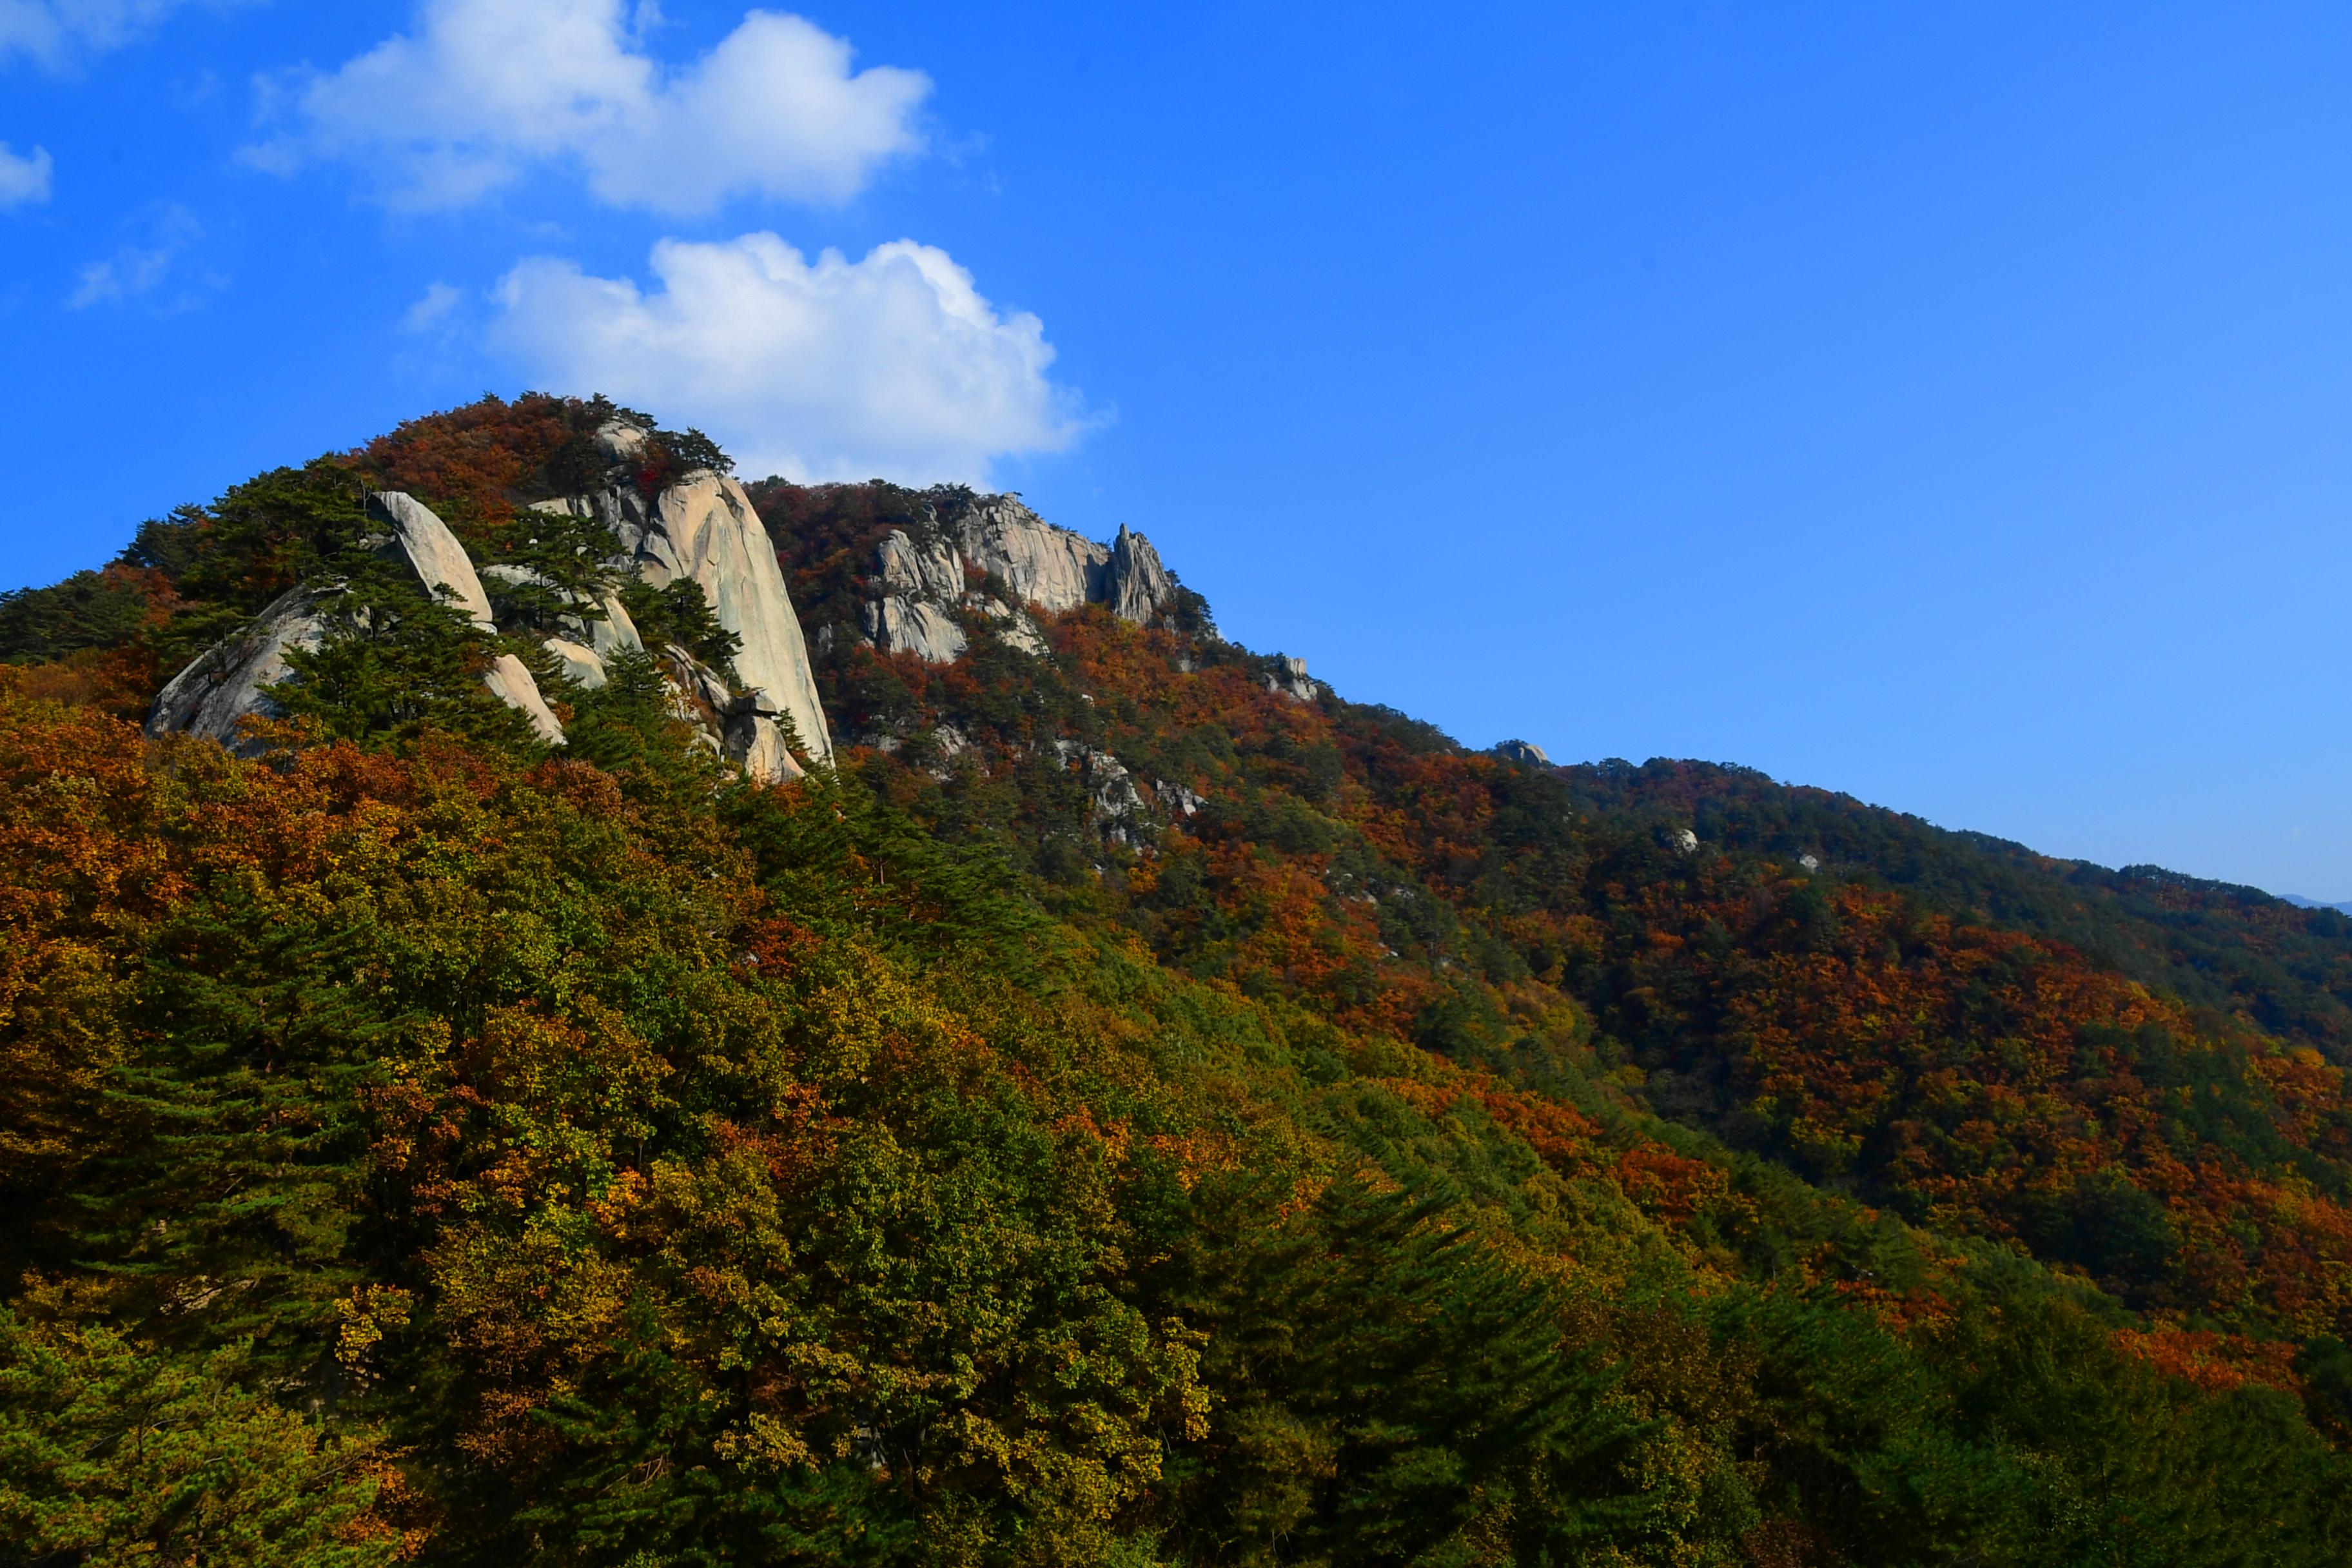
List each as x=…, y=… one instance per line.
x=1028, y=1127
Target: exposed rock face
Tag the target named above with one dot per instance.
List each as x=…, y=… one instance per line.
x=1293, y=681
x=513, y=686
x=615, y=632
x=590, y=641
x=442, y=564
x=580, y=662
x=739, y=726
x=433, y=553
x=929, y=568
x=704, y=528
x=1119, y=808
x=922, y=581
x=1522, y=752
x=1180, y=799
x=898, y=625
x=1138, y=584
x=1049, y=567
x=1056, y=570
x=225, y=683
x=620, y=442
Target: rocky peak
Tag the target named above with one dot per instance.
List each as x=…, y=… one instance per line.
x=1139, y=584
x=1289, y=679
x=921, y=582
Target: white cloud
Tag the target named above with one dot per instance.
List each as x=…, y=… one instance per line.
x=139, y=271
x=54, y=31
x=893, y=366
x=480, y=90
x=433, y=309
x=24, y=179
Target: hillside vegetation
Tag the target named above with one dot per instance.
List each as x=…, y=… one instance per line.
x=1127, y=1114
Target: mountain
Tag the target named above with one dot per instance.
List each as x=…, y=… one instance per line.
x=2299, y=902
x=928, y=1053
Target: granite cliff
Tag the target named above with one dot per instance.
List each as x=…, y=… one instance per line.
x=996, y=558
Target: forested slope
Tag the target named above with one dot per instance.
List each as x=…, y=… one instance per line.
x=1131, y=1113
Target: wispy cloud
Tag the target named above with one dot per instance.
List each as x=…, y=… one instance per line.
x=24, y=178
x=479, y=91
x=433, y=309
x=893, y=366
x=55, y=32
x=159, y=272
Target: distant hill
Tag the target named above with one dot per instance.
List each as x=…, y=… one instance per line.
x=623, y=1016
x=2299, y=902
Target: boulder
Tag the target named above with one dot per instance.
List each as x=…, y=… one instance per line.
x=620, y=441
x=226, y=682
x=1522, y=752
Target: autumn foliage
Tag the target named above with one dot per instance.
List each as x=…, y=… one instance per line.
x=1349, y=1149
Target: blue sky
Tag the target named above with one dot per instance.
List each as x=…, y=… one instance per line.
x=1947, y=404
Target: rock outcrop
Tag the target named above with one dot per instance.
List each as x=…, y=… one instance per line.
x=702, y=527
x=229, y=681
x=1137, y=585
x=433, y=553
x=1049, y=567
x=895, y=624
x=1292, y=680
x=511, y=682
x=226, y=682
x=1119, y=808
x=924, y=580
x=920, y=584
x=421, y=539
x=1522, y=752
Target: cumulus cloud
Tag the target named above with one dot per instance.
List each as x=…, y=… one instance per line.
x=893, y=366
x=478, y=91
x=24, y=178
x=54, y=31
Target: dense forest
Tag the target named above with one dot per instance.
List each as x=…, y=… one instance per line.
x=1129, y=1111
